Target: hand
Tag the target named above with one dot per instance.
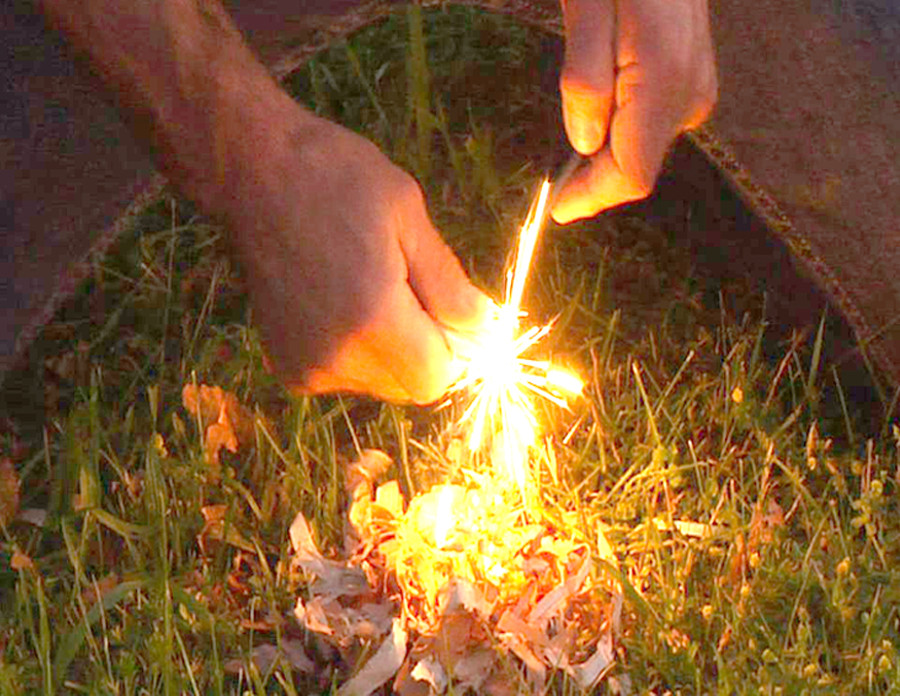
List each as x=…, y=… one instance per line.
x=350, y=283
x=637, y=74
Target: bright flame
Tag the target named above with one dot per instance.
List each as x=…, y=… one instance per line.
x=564, y=380
x=501, y=381
x=443, y=516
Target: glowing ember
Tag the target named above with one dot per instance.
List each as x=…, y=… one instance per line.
x=456, y=583
x=453, y=533
x=443, y=516
x=502, y=383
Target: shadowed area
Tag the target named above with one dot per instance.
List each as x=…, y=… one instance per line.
x=806, y=133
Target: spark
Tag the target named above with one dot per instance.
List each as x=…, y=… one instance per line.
x=443, y=517
x=501, y=382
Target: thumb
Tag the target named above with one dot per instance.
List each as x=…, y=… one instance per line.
x=439, y=282
x=626, y=170
x=587, y=80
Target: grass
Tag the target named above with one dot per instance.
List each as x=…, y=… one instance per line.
x=791, y=584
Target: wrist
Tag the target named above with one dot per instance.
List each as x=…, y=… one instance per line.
x=186, y=83
x=257, y=137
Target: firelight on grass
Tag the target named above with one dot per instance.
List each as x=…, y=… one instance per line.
x=500, y=381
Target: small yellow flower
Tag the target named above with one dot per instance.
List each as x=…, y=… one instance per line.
x=810, y=670
x=737, y=395
x=707, y=611
x=754, y=560
x=843, y=567
x=21, y=561
x=159, y=444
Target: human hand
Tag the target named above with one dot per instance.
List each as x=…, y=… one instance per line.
x=637, y=74
x=350, y=283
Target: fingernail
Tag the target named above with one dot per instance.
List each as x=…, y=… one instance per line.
x=584, y=133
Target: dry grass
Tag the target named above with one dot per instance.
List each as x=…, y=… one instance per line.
x=756, y=555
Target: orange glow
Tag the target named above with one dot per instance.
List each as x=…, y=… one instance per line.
x=443, y=516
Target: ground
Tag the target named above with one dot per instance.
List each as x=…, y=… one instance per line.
x=133, y=560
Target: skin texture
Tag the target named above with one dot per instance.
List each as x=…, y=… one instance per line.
x=351, y=285
x=637, y=74
x=376, y=289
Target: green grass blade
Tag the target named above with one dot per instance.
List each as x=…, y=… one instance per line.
x=71, y=642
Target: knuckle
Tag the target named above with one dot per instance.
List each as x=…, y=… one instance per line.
x=578, y=83
x=640, y=180
x=404, y=194
x=409, y=189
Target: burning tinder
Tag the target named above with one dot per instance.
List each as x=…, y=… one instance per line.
x=467, y=585
x=468, y=593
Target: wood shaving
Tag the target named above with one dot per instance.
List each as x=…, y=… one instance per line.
x=695, y=530
x=371, y=465
x=264, y=657
x=216, y=527
x=382, y=666
x=99, y=588
x=35, y=516
x=491, y=598
x=21, y=561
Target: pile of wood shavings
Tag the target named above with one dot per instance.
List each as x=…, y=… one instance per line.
x=459, y=591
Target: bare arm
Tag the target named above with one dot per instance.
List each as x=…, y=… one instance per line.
x=184, y=77
x=351, y=285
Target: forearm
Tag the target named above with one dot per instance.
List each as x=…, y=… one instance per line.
x=186, y=82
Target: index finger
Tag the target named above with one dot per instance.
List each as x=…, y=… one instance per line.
x=588, y=77
x=641, y=129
